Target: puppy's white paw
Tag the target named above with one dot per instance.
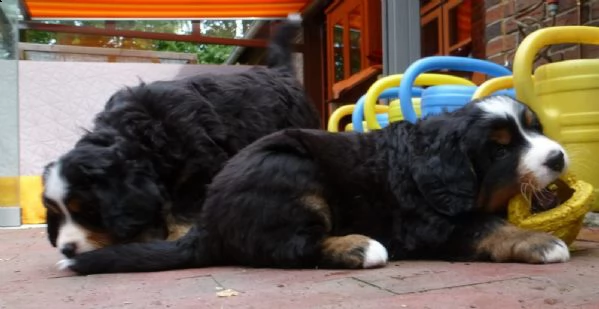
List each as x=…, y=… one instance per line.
x=65, y=264
x=375, y=255
x=557, y=252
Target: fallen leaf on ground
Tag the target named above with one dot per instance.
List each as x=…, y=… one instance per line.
x=227, y=293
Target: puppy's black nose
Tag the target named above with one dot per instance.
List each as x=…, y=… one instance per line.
x=69, y=250
x=555, y=160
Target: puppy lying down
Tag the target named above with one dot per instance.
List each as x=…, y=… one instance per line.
x=141, y=173
x=436, y=189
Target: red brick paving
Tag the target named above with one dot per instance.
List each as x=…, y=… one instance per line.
x=29, y=279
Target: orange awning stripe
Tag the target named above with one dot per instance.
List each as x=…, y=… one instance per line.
x=164, y=9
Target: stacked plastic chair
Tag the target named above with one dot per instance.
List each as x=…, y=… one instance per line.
x=444, y=97
x=395, y=112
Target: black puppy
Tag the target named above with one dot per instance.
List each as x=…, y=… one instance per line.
x=141, y=172
x=436, y=189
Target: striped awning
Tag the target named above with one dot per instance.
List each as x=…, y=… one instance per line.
x=161, y=9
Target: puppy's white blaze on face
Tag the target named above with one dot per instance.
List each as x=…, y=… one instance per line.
x=539, y=147
x=499, y=106
x=55, y=187
x=69, y=232
x=535, y=157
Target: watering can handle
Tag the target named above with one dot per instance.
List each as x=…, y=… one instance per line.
x=388, y=93
x=337, y=115
x=437, y=63
x=358, y=114
x=342, y=111
x=380, y=85
x=525, y=54
x=492, y=85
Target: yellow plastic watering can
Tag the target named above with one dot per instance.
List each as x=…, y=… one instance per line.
x=346, y=110
x=428, y=79
x=564, y=95
x=565, y=220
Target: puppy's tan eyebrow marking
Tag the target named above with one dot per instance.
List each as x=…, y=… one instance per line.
x=74, y=206
x=528, y=118
x=51, y=205
x=501, y=136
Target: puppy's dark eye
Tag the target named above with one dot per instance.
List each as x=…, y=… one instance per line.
x=501, y=152
x=531, y=122
x=50, y=205
x=537, y=127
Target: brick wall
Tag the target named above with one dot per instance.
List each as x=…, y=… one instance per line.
x=501, y=35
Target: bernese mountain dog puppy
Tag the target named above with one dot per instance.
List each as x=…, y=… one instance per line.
x=141, y=172
x=436, y=189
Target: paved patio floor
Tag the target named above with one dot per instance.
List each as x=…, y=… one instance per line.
x=29, y=279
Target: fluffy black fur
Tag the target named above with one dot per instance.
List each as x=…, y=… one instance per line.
x=155, y=147
x=424, y=190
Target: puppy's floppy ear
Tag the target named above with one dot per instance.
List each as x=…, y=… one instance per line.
x=445, y=177
x=52, y=220
x=138, y=204
x=52, y=223
x=46, y=171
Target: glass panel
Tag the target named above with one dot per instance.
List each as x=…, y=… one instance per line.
x=10, y=214
x=9, y=14
x=214, y=28
x=230, y=28
x=459, y=23
x=429, y=42
x=338, y=51
x=355, y=40
x=162, y=26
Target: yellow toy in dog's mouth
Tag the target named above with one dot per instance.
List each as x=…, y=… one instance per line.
x=559, y=210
